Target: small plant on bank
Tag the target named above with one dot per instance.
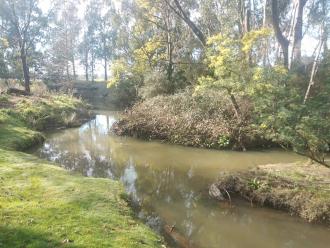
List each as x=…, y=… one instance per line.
x=255, y=184
x=224, y=141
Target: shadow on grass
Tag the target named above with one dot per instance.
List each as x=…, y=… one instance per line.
x=21, y=237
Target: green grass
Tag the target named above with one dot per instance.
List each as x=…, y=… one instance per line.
x=14, y=133
x=44, y=206
x=52, y=110
x=20, y=122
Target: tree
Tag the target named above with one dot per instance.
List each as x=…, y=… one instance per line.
x=282, y=40
x=22, y=23
x=104, y=14
x=62, y=40
x=176, y=6
x=298, y=30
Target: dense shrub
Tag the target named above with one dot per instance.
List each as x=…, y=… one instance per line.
x=189, y=118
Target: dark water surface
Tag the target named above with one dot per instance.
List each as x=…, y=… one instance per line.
x=170, y=183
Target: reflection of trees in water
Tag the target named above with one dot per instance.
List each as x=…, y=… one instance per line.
x=91, y=152
x=169, y=190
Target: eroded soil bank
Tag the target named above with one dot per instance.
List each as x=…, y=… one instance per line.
x=301, y=189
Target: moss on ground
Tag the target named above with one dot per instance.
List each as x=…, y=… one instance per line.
x=43, y=206
x=301, y=189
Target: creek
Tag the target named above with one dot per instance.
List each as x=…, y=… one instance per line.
x=170, y=184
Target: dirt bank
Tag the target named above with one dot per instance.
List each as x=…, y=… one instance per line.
x=300, y=189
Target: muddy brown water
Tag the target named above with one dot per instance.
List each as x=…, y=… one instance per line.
x=170, y=184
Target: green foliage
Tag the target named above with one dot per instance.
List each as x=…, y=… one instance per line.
x=123, y=84
x=255, y=184
x=275, y=96
x=229, y=60
x=282, y=117
x=224, y=141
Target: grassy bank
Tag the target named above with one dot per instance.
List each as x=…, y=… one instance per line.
x=22, y=118
x=43, y=206
x=301, y=189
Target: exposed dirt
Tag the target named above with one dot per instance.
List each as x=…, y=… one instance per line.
x=300, y=189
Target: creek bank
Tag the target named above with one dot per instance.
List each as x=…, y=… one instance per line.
x=300, y=189
x=42, y=205
x=206, y=121
x=23, y=118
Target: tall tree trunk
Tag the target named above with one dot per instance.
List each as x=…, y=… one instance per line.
x=317, y=55
x=67, y=70
x=298, y=32
x=26, y=71
x=281, y=39
x=245, y=16
x=92, y=67
x=105, y=57
x=169, y=42
x=86, y=66
x=105, y=68
x=314, y=70
x=265, y=7
x=86, y=73
x=74, y=68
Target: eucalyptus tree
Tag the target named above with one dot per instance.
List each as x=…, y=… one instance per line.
x=63, y=38
x=100, y=15
x=22, y=24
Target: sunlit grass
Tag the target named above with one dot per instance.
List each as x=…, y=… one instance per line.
x=44, y=206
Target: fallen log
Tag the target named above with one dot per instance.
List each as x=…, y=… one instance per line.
x=178, y=238
x=18, y=92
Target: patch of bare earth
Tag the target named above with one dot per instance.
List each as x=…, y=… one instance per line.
x=301, y=189
x=13, y=100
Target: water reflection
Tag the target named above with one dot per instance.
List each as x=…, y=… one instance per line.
x=170, y=182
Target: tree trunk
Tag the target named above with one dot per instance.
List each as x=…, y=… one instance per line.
x=318, y=52
x=264, y=22
x=170, y=68
x=282, y=40
x=92, y=67
x=74, y=69
x=180, y=12
x=105, y=69
x=86, y=73
x=67, y=70
x=26, y=71
x=235, y=105
x=298, y=32
x=245, y=16
x=86, y=66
